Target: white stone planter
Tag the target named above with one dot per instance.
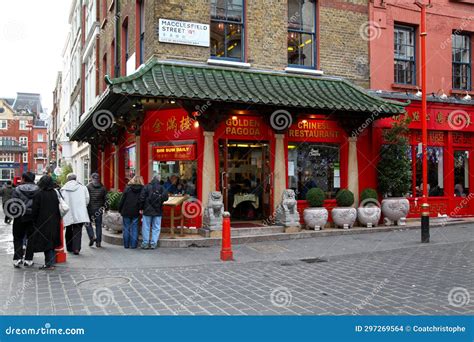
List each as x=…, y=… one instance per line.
x=113, y=221
x=369, y=216
x=315, y=218
x=344, y=217
x=395, y=210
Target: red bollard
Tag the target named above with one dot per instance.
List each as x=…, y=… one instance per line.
x=226, y=250
x=60, y=255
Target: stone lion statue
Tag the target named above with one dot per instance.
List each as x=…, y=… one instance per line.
x=212, y=217
x=286, y=213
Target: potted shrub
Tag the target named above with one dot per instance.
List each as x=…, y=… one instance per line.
x=394, y=173
x=315, y=216
x=344, y=215
x=369, y=210
x=112, y=218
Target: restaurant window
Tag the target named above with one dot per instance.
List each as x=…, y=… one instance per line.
x=404, y=51
x=302, y=33
x=176, y=167
x=461, y=61
x=130, y=162
x=227, y=29
x=435, y=171
x=314, y=165
x=461, y=173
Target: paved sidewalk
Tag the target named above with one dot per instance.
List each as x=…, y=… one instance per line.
x=380, y=273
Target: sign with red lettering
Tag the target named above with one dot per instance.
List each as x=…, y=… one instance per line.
x=171, y=153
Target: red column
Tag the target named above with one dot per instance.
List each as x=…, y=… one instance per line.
x=226, y=250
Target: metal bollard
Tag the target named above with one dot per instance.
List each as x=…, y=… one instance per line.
x=226, y=250
x=425, y=223
x=60, y=255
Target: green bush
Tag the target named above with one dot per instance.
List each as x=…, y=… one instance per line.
x=65, y=170
x=344, y=198
x=113, y=200
x=368, y=193
x=315, y=197
x=394, y=167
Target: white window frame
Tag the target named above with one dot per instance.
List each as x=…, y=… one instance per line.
x=7, y=158
x=25, y=157
x=3, y=124
x=23, y=141
x=38, y=169
x=39, y=152
x=40, y=137
x=22, y=125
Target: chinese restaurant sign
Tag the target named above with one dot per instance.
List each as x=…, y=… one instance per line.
x=183, y=32
x=314, y=129
x=171, y=153
x=453, y=118
x=172, y=124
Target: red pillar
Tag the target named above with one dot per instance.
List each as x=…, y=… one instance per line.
x=226, y=250
x=60, y=254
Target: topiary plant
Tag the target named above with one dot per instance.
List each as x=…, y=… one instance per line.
x=368, y=194
x=113, y=200
x=315, y=197
x=344, y=198
x=394, y=167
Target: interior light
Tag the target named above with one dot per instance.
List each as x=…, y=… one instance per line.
x=196, y=124
x=234, y=117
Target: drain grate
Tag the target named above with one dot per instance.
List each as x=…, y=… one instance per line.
x=107, y=282
x=313, y=260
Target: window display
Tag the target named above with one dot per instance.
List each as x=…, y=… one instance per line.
x=314, y=165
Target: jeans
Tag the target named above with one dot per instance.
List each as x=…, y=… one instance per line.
x=21, y=230
x=155, y=223
x=49, y=258
x=97, y=218
x=130, y=232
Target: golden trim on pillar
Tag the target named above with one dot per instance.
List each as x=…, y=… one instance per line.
x=279, y=170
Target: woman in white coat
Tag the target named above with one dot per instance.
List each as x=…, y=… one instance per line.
x=76, y=196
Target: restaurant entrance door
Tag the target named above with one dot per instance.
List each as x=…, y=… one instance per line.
x=246, y=179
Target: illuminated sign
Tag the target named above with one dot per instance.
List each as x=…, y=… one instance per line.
x=242, y=126
x=178, y=152
x=314, y=129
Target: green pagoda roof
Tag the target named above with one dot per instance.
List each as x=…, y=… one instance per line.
x=221, y=84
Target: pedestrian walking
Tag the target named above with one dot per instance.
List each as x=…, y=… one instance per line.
x=46, y=235
x=20, y=207
x=76, y=196
x=7, y=192
x=129, y=208
x=152, y=197
x=96, y=207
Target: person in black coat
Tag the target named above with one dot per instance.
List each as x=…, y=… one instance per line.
x=152, y=197
x=129, y=208
x=46, y=235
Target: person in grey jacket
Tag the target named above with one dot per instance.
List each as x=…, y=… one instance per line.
x=76, y=196
x=96, y=207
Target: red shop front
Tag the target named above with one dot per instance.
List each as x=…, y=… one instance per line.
x=449, y=152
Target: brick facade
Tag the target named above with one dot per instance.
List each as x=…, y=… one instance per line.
x=341, y=49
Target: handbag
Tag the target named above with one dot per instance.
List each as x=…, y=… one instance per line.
x=63, y=206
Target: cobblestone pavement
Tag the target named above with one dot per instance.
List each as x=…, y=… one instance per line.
x=380, y=274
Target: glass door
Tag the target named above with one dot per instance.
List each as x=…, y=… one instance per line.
x=461, y=182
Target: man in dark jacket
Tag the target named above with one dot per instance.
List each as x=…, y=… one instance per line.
x=20, y=207
x=7, y=192
x=129, y=208
x=152, y=197
x=96, y=207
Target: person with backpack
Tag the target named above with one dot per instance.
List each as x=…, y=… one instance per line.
x=76, y=196
x=46, y=222
x=129, y=208
x=7, y=192
x=96, y=207
x=152, y=197
x=20, y=206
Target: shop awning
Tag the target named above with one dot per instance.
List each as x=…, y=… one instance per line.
x=196, y=82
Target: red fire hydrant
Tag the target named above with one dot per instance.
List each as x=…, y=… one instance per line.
x=226, y=250
x=60, y=254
